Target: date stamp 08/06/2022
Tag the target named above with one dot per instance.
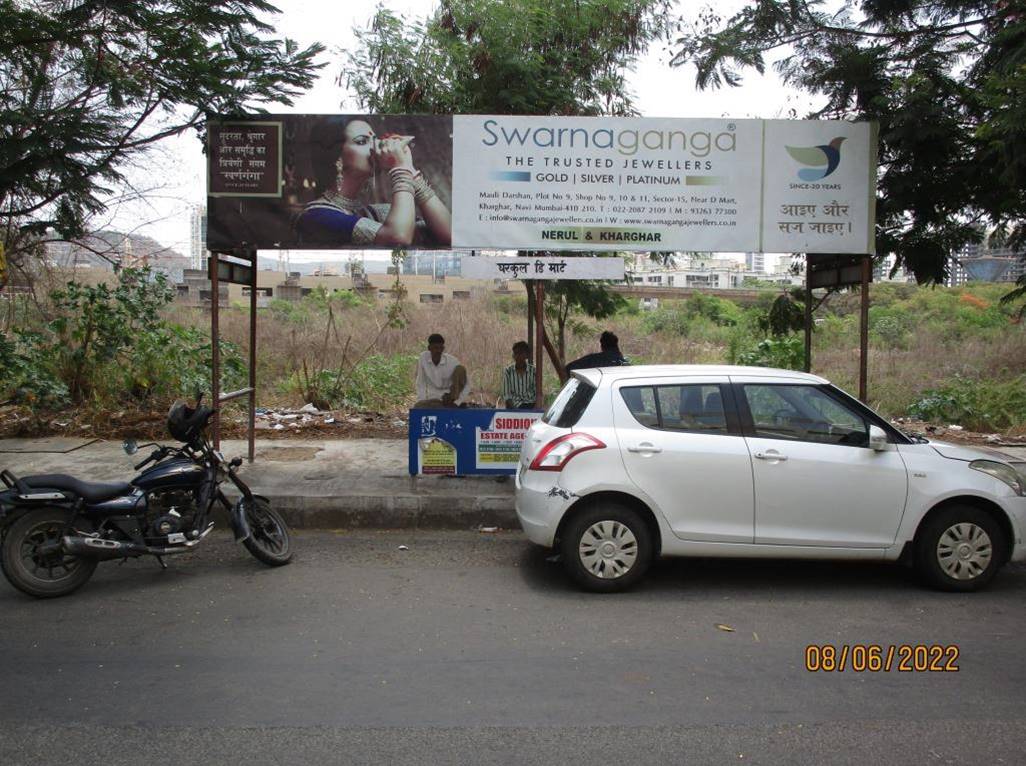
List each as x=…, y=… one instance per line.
x=882, y=658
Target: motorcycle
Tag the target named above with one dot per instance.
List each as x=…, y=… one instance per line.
x=55, y=529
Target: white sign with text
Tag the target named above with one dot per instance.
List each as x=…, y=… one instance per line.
x=597, y=183
x=488, y=267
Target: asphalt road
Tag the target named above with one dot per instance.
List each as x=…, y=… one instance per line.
x=473, y=648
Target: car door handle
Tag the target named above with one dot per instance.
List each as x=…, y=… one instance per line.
x=645, y=447
x=771, y=455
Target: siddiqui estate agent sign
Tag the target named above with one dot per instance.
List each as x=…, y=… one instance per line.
x=544, y=183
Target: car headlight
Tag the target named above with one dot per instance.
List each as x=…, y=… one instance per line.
x=1005, y=473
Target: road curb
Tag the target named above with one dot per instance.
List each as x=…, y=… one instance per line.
x=397, y=511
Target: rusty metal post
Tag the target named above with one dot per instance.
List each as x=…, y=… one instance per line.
x=539, y=343
x=252, y=353
x=213, y=262
x=529, y=288
x=808, y=314
x=867, y=262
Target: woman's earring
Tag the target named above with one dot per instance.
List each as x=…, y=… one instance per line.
x=338, y=174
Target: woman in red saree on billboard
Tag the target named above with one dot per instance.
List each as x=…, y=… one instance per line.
x=357, y=161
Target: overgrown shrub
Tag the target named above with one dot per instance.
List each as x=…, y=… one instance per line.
x=107, y=344
x=889, y=326
x=783, y=351
x=314, y=305
x=718, y=310
x=667, y=318
x=979, y=405
x=27, y=375
x=378, y=382
x=97, y=324
x=169, y=361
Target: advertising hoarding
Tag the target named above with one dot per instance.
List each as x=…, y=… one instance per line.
x=542, y=183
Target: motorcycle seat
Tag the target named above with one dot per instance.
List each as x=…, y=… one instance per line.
x=90, y=491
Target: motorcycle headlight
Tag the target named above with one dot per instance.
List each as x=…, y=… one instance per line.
x=1001, y=471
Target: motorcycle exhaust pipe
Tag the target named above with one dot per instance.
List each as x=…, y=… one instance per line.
x=95, y=547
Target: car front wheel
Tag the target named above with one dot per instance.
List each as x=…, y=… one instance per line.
x=607, y=547
x=961, y=549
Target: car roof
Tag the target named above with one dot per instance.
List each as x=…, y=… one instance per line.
x=596, y=374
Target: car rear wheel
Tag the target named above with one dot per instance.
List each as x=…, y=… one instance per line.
x=607, y=547
x=961, y=549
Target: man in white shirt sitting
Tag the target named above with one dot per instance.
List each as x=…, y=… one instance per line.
x=441, y=380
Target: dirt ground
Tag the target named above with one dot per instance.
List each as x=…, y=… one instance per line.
x=286, y=423
x=17, y=421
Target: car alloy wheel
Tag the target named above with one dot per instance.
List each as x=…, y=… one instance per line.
x=964, y=551
x=961, y=548
x=608, y=549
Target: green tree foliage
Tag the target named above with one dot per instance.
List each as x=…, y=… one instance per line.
x=96, y=323
x=566, y=57
x=106, y=343
x=87, y=86
x=564, y=298
x=785, y=315
x=946, y=80
x=534, y=57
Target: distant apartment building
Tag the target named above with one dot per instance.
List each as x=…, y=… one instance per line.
x=755, y=263
x=715, y=277
x=883, y=268
x=198, y=236
x=977, y=263
x=444, y=263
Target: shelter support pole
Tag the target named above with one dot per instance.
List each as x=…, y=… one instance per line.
x=867, y=265
x=215, y=346
x=530, y=316
x=252, y=354
x=808, y=315
x=539, y=342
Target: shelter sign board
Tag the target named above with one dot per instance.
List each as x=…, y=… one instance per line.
x=546, y=267
x=546, y=183
x=834, y=270
x=467, y=441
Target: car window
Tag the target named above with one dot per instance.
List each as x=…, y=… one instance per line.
x=570, y=404
x=694, y=408
x=804, y=413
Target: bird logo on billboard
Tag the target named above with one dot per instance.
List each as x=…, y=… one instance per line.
x=821, y=160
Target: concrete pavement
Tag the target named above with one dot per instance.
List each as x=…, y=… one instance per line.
x=341, y=483
x=318, y=484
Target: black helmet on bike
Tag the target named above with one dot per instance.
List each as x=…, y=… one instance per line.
x=185, y=423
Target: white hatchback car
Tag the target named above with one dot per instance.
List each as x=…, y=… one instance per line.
x=633, y=462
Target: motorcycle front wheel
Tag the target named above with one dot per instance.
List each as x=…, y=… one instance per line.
x=33, y=560
x=269, y=540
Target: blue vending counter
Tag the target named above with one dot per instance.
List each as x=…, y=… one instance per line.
x=459, y=442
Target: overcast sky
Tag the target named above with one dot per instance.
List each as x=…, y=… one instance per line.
x=659, y=91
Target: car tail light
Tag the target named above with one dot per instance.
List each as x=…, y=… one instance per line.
x=557, y=453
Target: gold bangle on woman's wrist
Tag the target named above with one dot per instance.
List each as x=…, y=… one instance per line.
x=402, y=180
x=422, y=191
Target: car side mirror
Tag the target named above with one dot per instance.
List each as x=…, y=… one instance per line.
x=878, y=439
x=130, y=446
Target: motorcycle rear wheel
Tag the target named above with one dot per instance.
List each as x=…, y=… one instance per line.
x=269, y=540
x=46, y=574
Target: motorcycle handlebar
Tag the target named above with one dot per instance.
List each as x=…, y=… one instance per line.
x=155, y=455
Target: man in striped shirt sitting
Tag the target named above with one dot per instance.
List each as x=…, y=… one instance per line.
x=518, y=385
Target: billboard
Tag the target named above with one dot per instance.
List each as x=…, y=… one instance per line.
x=541, y=183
